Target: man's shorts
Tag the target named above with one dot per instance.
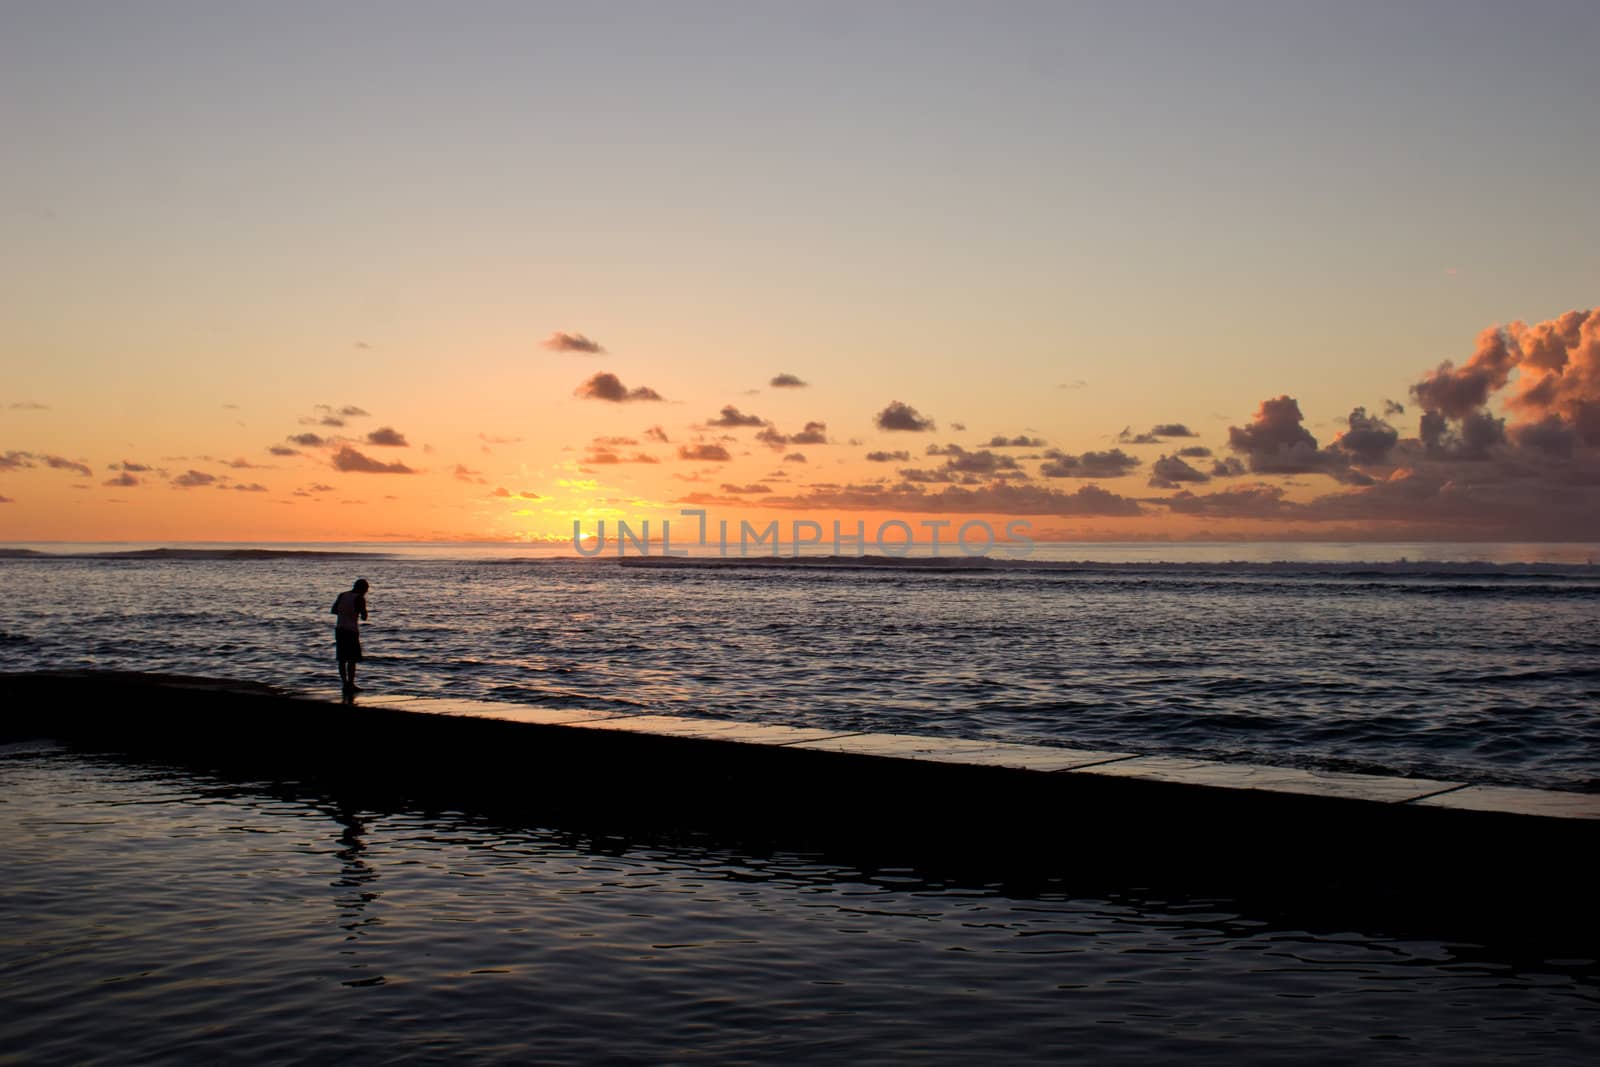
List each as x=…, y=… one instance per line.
x=348, y=644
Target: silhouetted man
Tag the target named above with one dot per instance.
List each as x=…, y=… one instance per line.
x=349, y=606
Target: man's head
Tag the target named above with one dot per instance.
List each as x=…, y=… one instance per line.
x=361, y=585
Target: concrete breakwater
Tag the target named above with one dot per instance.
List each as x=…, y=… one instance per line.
x=1504, y=855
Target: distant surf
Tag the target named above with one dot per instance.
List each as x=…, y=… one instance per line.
x=195, y=554
x=1397, y=568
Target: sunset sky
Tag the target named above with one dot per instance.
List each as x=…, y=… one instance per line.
x=364, y=271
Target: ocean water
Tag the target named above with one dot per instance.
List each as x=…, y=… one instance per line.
x=155, y=913
x=1464, y=662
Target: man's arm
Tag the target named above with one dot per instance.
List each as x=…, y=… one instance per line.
x=363, y=609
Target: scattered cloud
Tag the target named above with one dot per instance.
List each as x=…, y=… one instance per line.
x=608, y=387
x=1169, y=472
x=656, y=433
x=1275, y=442
x=283, y=450
x=1020, y=441
x=1156, y=434
x=787, y=381
x=888, y=457
x=1108, y=464
x=904, y=418
x=599, y=456
x=193, y=479
x=1000, y=498
x=253, y=487
x=123, y=480
x=572, y=342
x=1195, y=452
x=1369, y=439
x=756, y=487
x=12, y=460
x=387, y=437
x=309, y=440
x=28, y=405
x=350, y=461
x=732, y=418
x=704, y=453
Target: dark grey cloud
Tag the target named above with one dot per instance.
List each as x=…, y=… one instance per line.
x=1156, y=434
x=350, y=461
x=755, y=487
x=901, y=417
x=1369, y=439
x=388, y=437
x=571, y=342
x=253, y=487
x=704, y=453
x=600, y=456
x=999, y=498
x=1169, y=472
x=1471, y=438
x=1275, y=442
x=1112, y=463
x=193, y=479
x=60, y=463
x=814, y=433
x=732, y=418
x=888, y=457
x=309, y=440
x=1195, y=452
x=123, y=480
x=787, y=381
x=1020, y=441
x=795, y=457
x=283, y=450
x=608, y=387
x=983, y=461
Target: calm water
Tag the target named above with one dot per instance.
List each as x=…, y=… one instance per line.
x=156, y=913
x=1288, y=654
